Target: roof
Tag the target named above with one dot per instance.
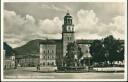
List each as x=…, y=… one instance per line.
x=68, y=15
x=50, y=41
x=84, y=41
x=54, y=41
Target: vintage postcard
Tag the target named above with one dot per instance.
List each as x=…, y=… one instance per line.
x=63, y=40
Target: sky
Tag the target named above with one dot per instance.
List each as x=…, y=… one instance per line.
x=26, y=21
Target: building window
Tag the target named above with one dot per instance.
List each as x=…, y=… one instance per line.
x=69, y=28
x=48, y=63
x=52, y=63
x=43, y=63
x=52, y=56
x=65, y=38
x=48, y=51
x=52, y=51
x=72, y=28
x=69, y=21
x=68, y=38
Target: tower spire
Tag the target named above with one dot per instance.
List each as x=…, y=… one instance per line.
x=68, y=12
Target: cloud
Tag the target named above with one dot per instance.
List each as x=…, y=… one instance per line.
x=87, y=21
x=118, y=24
x=18, y=29
x=89, y=24
x=54, y=7
x=50, y=26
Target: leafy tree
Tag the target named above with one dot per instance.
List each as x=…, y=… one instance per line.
x=108, y=49
x=73, y=55
x=97, y=51
x=8, y=50
x=79, y=53
x=121, y=54
x=113, y=47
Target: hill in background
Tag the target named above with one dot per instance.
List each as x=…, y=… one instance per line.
x=31, y=48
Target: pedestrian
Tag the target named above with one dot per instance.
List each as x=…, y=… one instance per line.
x=38, y=67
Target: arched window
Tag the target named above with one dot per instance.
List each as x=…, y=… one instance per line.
x=48, y=51
x=71, y=21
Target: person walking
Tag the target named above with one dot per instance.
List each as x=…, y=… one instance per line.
x=38, y=67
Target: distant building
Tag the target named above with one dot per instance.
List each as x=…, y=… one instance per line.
x=9, y=61
x=27, y=60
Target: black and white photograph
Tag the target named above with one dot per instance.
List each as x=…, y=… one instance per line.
x=63, y=41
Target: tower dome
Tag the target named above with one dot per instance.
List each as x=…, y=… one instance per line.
x=68, y=15
x=68, y=18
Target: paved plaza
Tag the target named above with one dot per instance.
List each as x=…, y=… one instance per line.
x=33, y=74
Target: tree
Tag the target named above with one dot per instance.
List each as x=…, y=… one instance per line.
x=73, y=55
x=108, y=49
x=121, y=54
x=113, y=47
x=79, y=53
x=97, y=51
x=8, y=50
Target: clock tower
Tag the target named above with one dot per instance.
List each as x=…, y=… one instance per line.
x=67, y=32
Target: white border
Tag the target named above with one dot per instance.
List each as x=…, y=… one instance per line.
x=2, y=39
x=64, y=0
x=126, y=62
x=2, y=30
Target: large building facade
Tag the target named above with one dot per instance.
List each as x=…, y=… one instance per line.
x=52, y=51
